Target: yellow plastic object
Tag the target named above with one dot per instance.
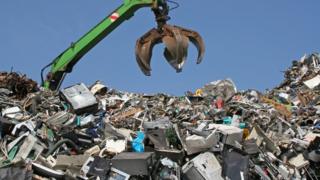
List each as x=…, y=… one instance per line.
x=199, y=92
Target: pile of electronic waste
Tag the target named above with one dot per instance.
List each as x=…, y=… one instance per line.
x=217, y=132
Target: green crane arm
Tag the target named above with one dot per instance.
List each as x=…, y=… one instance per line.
x=64, y=63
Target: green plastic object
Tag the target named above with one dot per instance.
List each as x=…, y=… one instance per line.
x=13, y=153
x=66, y=60
x=50, y=135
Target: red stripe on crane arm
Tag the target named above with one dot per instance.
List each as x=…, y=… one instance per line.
x=114, y=16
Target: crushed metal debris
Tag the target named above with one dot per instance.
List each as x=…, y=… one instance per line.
x=217, y=132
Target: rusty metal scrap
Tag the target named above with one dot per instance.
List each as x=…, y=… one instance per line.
x=20, y=85
x=125, y=114
x=281, y=108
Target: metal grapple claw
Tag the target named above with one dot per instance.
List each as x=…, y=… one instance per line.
x=176, y=41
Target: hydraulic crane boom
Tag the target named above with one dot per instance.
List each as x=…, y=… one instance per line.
x=175, y=38
x=65, y=61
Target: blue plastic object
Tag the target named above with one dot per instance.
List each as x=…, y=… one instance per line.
x=137, y=143
x=78, y=120
x=227, y=120
x=242, y=125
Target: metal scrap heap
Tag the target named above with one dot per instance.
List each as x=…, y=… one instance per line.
x=217, y=132
x=18, y=85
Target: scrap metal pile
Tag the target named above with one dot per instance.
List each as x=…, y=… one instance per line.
x=215, y=133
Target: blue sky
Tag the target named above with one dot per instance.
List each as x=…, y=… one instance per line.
x=249, y=41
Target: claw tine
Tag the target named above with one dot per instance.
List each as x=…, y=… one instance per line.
x=170, y=59
x=171, y=48
x=145, y=54
x=197, y=40
x=144, y=48
x=179, y=45
x=174, y=59
x=176, y=47
x=142, y=67
x=185, y=45
x=183, y=52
